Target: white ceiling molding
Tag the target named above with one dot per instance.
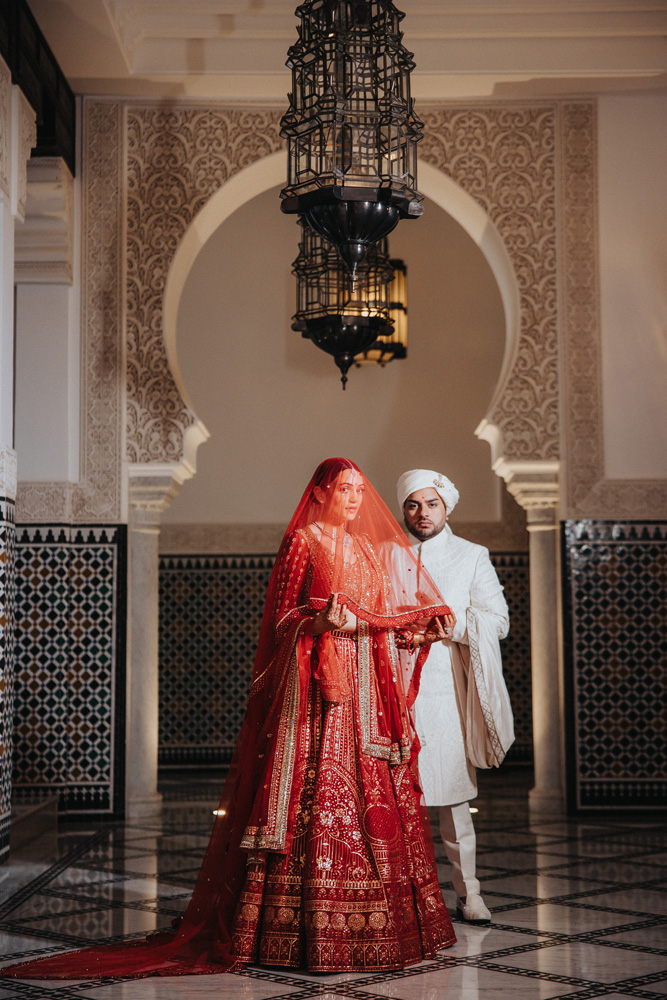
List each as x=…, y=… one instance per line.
x=235, y=49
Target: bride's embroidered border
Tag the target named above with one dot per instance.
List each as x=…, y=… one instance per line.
x=255, y=838
x=372, y=743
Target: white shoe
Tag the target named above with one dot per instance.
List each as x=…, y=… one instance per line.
x=473, y=911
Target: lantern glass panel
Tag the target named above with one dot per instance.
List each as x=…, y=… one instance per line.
x=391, y=345
x=325, y=288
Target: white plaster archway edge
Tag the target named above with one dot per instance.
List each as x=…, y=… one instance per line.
x=267, y=173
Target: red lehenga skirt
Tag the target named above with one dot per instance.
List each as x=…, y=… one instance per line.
x=358, y=890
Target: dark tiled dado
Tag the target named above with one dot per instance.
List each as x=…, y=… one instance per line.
x=70, y=667
x=616, y=655
x=210, y=611
x=7, y=664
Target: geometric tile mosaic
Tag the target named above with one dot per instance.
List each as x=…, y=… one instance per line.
x=616, y=659
x=513, y=572
x=7, y=664
x=210, y=612
x=70, y=667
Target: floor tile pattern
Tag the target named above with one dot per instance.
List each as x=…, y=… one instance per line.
x=7, y=662
x=70, y=623
x=210, y=612
x=616, y=620
x=579, y=911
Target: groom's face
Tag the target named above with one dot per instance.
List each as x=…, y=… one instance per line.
x=425, y=514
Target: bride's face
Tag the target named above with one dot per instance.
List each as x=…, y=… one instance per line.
x=348, y=494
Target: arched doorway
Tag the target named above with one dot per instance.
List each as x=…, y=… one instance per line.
x=274, y=407
x=267, y=173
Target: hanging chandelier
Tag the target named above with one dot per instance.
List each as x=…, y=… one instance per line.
x=342, y=316
x=351, y=127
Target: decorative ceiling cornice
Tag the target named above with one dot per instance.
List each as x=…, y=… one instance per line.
x=235, y=50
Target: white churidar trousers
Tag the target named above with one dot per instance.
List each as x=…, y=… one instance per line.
x=458, y=836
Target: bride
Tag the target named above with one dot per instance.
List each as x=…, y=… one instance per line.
x=321, y=856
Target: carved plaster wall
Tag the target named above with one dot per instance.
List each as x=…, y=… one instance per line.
x=176, y=160
x=505, y=158
x=147, y=172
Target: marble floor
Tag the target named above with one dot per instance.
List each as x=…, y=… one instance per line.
x=579, y=909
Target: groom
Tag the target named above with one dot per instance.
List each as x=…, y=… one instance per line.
x=462, y=711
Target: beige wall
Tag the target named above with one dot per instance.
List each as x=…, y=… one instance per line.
x=273, y=402
x=633, y=284
x=47, y=382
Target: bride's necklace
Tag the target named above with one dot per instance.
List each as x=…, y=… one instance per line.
x=346, y=538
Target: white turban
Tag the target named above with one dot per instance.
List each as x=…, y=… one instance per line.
x=421, y=479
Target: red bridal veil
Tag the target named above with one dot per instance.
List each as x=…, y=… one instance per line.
x=340, y=528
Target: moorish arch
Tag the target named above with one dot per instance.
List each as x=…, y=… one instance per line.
x=268, y=173
x=494, y=170
x=531, y=165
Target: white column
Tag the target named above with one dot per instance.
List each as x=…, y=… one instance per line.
x=17, y=137
x=548, y=792
x=150, y=492
x=141, y=795
x=534, y=485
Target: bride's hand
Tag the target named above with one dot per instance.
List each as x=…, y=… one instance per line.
x=334, y=616
x=433, y=630
x=440, y=628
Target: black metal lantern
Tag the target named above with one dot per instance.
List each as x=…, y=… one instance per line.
x=351, y=126
x=342, y=316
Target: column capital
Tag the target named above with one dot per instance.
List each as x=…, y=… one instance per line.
x=534, y=485
x=44, y=242
x=8, y=472
x=152, y=486
x=24, y=137
x=5, y=127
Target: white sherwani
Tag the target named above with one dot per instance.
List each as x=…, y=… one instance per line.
x=462, y=712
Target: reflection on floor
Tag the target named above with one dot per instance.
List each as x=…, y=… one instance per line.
x=579, y=909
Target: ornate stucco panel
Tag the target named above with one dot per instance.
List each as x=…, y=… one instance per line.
x=176, y=159
x=502, y=156
x=505, y=158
